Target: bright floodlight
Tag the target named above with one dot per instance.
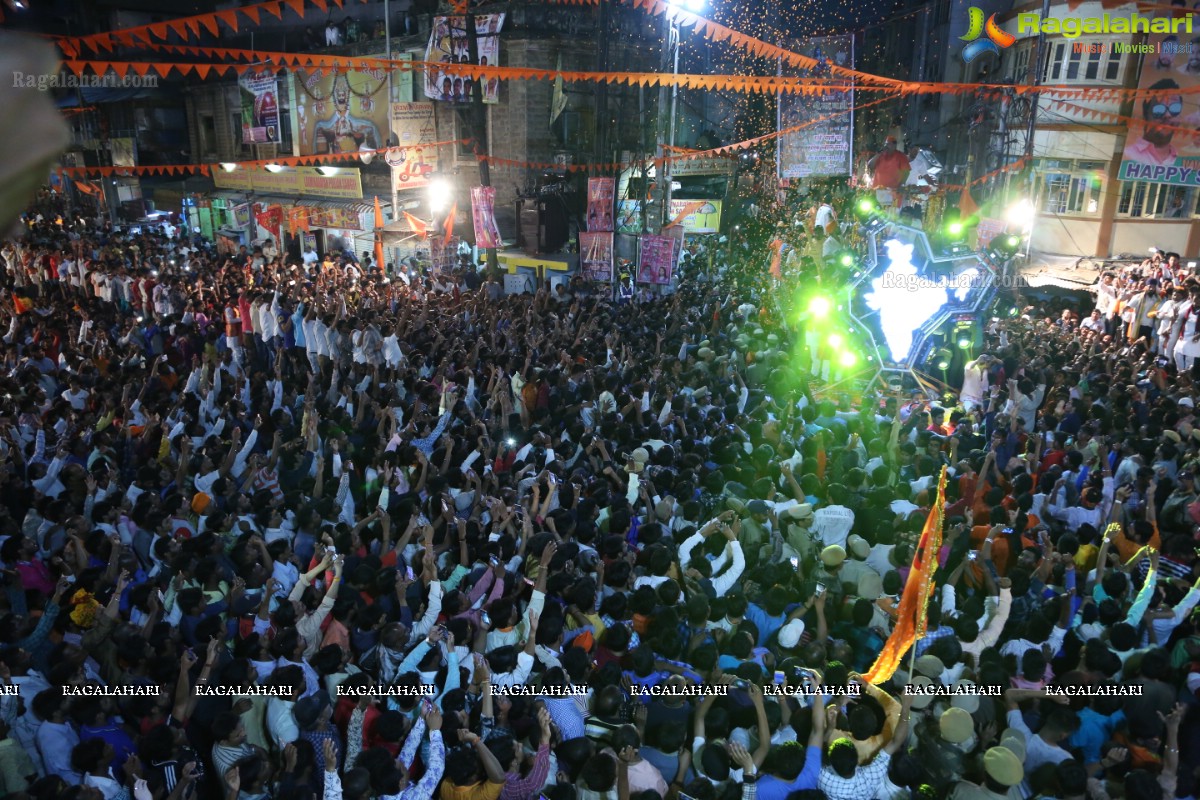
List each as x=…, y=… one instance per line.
x=228, y=166
x=904, y=303
x=847, y=260
x=1020, y=214
x=328, y=171
x=954, y=228
x=694, y=6
x=835, y=340
x=964, y=342
x=439, y=193
x=275, y=168
x=819, y=306
x=848, y=359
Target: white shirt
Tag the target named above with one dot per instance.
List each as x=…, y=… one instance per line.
x=77, y=400
x=975, y=382
x=823, y=217
x=281, y=722
x=1037, y=750
x=832, y=524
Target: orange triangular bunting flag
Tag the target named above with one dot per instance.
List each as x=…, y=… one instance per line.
x=209, y=21
x=321, y=4
x=229, y=18
x=193, y=25
x=252, y=13
x=121, y=68
x=202, y=70
x=274, y=9
x=296, y=5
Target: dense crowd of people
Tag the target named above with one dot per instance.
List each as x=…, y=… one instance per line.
x=275, y=530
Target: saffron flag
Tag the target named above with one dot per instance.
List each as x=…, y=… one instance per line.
x=378, y=234
x=21, y=305
x=419, y=227
x=776, y=268
x=450, y=224
x=911, y=619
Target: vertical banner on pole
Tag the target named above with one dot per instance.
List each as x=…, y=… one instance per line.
x=656, y=260
x=596, y=255
x=483, y=216
x=260, y=107
x=825, y=147
x=448, y=45
x=601, y=192
x=415, y=130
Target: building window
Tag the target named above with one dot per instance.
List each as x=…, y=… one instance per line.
x=208, y=136
x=1019, y=65
x=464, y=131
x=1069, y=187
x=1147, y=200
x=1081, y=61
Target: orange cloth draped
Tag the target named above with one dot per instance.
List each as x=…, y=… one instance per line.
x=910, y=622
x=378, y=235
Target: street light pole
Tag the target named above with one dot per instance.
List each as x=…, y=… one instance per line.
x=479, y=133
x=667, y=163
x=674, y=42
x=1035, y=78
x=387, y=35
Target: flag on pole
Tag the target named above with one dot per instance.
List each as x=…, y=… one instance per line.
x=378, y=234
x=450, y=224
x=967, y=207
x=21, y=305
x=911, y=619
x=419, y=227
x=558, y=98
x=776, y=268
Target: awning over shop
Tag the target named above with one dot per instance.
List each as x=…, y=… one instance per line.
x=399, y=231
x=355, y=207
x=328, y=213
x=1061, y=272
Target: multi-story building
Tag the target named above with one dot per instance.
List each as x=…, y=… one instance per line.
x=1084, y=205
x=594, y=123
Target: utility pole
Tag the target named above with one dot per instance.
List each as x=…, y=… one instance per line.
x=1035, y=78
x=661, y=178
x=479, y=128
x=387, y=36
x=667, y=170
x=602, y=87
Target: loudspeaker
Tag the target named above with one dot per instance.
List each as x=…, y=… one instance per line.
x=553, y=227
